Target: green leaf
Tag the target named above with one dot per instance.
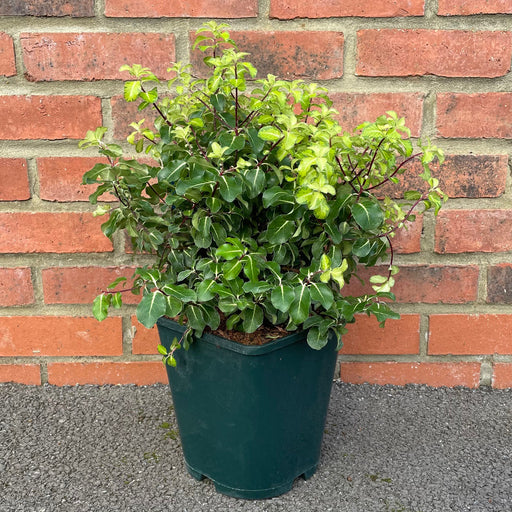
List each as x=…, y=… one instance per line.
x=362, y=247
x=321, y=293
x=205, y=290
x=229, y=187
x=231, y=269
x=132, y=90
x=228, y=252
x=301, y=305
x=270, y=133
x=195, y=318
x=282, y=297
x=255, y=178
x=174, y=306
x=173, y=171
x=257, y=144
x=257, y=287
x=251, y=269
x=280, y=230
x=316, y=339
x=151, y=308
x=252, y=318
x=368, y=215
x=100, y=306
x=180, y=292
x=276, y=195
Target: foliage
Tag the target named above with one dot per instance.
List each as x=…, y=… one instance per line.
x=257, y=206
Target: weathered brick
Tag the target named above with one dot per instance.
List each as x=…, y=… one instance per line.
x=7, y=59
x=34, y=336
x=462, y=334
x=16, y=286
x=499, y=283
x=29, y=374
x=289, y=9
x=48, y=117
x=470, y=176
x=14, y=179
x=27, y=232
x=502, y=375
x=76, y=8
x=94, y=56
x=80, y=285
x=355, y=108
x=124, y=113
x=459, y=231
x=478, y=115
x=450, y=53
x=317, y=56
x=428, y=284
x=142, y=373
x=60, y=179
x=408, y=240
x=144, y=341
x=468, y=7
x=400, y=374
x=182, y=9
x=397, y=337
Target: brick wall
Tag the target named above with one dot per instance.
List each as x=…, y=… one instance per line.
x=444, y=64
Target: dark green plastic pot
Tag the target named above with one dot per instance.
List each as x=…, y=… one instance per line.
x=251, y=418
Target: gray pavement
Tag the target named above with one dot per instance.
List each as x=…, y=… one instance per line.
x=389, y=449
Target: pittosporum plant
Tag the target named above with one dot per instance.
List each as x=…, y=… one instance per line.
x=257, y=208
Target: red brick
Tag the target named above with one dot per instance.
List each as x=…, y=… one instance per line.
x=289, y=9
x=7, y=60
x=59, y=336
x=144, y=340
x=470, y=176
x=27, y=232
x=142, y=373
x=427, y=284
x=124, y=113
x=470, y=334
x=400, y=374
x=309, y=55
x=29, y=374
x=502, y=375
x=355, y=108
x=60, y=179
x=48, y=117
x=182, y=9
x=397, y=337
x=408, y=240
x=76, y=8
x=14, y=179
x=450, y=53
x=80, y=285
x=459, y=231
x=478, y=115
x=499, y=284
x=16, y=286
x=94, y=56
x=468, y=7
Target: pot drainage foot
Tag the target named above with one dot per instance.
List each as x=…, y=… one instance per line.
x=197, y=475
x=309, y=472
x=253, y=494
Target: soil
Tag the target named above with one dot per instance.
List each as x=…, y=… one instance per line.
x=262, y=335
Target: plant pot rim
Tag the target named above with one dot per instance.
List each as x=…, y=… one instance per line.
x=227, y=344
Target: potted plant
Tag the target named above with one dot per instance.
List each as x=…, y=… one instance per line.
x=254, y=212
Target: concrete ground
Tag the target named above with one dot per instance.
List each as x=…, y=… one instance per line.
x=389, y=449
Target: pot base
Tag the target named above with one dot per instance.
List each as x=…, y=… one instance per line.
x=252, y=494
